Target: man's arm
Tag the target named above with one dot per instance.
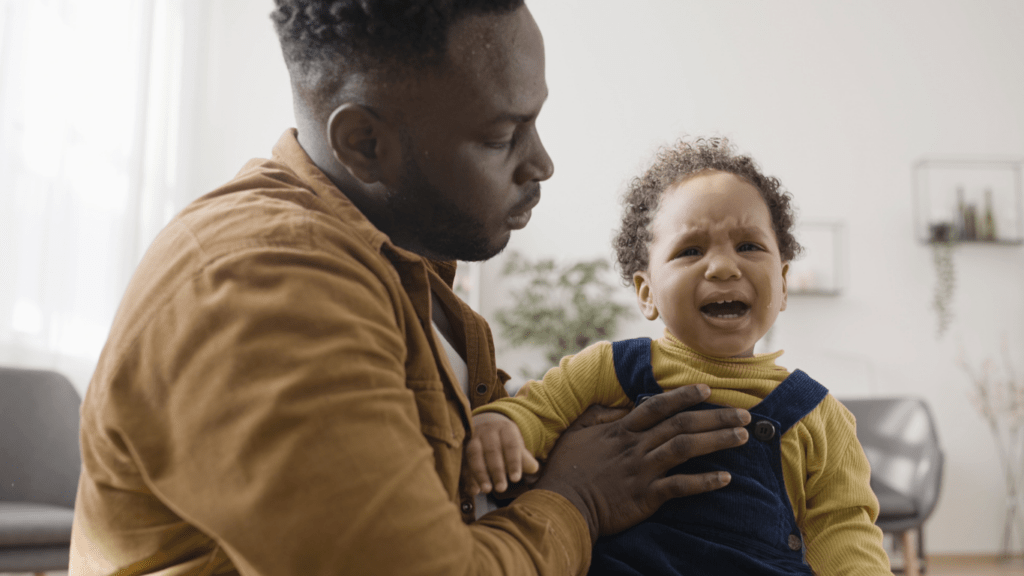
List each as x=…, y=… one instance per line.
x=282, y=423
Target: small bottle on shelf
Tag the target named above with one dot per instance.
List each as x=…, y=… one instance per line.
x=960, y=220
x=970, y=222
x=988, y=223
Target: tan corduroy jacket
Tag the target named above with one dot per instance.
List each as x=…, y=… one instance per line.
x=272, y=400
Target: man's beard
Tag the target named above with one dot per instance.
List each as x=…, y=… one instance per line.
x=439, y=225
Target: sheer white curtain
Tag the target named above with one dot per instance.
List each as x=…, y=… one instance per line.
x=94, y=95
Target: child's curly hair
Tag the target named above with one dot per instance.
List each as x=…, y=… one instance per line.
x=673, y=164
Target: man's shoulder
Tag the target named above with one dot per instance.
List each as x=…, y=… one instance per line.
x=265, y=224
x=267, y=206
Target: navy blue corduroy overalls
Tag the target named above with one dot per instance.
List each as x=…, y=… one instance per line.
x=745, y=528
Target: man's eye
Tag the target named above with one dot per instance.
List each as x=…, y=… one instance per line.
x=501, y=144
x=686, y=252
x=747, y=246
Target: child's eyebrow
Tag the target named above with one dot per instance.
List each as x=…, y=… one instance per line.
x=751, y=231
x=688, y=234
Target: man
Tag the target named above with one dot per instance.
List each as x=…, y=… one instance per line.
x=287, y=385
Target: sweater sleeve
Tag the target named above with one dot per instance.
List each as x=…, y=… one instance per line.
x=839, y=528
x=567, y=390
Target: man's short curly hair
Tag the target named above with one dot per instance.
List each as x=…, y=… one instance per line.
x=324, y=40
x=671, y=165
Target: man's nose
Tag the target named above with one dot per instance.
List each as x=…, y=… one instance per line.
x=537, y=166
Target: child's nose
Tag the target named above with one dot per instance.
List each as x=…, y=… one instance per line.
x=722, y=267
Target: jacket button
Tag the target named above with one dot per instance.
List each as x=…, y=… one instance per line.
x=794, y=542
x=481, y=388
x=764, y=430
x=467, y=506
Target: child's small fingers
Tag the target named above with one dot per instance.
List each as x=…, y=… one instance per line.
x=529, y=463
x=513, y=460
x=494, y=457
x=477, y=465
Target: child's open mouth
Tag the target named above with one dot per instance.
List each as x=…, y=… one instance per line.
x=725, y=309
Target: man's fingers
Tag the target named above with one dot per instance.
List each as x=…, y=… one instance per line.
x=682, y=447
x=598, y=415
x=693, y=421
x=681, y=485
x=659, y=407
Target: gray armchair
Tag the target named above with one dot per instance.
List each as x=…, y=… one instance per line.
x=900, y=441
x=39, y=469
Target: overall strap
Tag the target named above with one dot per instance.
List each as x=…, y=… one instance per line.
x=791, y=400
x=632, y=360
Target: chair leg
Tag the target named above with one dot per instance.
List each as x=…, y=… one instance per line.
x=920, y=549
x=910, y=554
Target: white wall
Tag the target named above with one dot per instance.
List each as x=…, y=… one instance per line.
x=837, y=100
x=246, y=102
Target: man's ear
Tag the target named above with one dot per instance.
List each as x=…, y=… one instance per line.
x=785, y=293
x=644, y=296
x=359, y=139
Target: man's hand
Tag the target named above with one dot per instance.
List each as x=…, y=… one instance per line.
x=612, y=467
x=496, y=454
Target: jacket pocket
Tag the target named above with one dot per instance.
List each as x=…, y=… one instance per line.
x=439, y=417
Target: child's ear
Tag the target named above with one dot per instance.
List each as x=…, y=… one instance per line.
x=360, y=141
x=785, y=293
x=644, y=296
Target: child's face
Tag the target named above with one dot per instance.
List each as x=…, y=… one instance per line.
x=713, y=242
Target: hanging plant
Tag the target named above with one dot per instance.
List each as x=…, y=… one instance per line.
x=560, y=309
x=945, y=275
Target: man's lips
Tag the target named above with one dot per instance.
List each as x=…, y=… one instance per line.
x=520, y=216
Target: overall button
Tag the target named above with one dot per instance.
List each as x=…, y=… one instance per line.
x=467, y=506
x=794, y=542
x=764, y=430
x=481, y=388
x=641, y=398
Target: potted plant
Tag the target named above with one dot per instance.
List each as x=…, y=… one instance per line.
x=559, y=308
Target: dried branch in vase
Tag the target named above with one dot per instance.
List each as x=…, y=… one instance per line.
x=999, y=397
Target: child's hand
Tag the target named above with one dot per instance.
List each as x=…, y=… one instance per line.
x=496, y=449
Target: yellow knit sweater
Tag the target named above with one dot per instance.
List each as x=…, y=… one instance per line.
x=824, y=467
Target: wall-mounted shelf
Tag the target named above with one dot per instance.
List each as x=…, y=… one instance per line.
x=818, y=271
x=969, y=201
x=979, y=242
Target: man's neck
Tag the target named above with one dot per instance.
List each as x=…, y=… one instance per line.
x=367, y=198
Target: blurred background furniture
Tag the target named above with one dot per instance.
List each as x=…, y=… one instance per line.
x=900, y=440
x=39, y=469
